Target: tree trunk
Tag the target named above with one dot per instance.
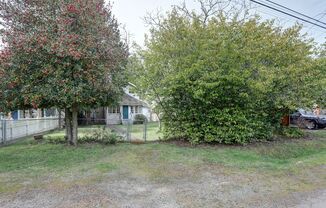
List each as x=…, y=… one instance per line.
x=159, y=122
x=71, y=119
x=68, y=118
x=74, y=126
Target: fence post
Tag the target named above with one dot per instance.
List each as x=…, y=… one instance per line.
x=145, y=130
x=129, y=129
x=4, y=131
x=11, y=134
x=26, y=127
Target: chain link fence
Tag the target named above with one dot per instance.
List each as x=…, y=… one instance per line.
x=128, y=130
x=138, y=130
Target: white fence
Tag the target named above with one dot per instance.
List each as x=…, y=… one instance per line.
x=11, y=130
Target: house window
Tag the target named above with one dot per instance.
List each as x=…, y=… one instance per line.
x=110, y=110
x=114, y=110
x=49, y=112
x=138, y=109
x=132, y=109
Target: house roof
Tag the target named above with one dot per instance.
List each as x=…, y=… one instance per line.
x=130, y=100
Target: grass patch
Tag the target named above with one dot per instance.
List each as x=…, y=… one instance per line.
x=318, y=134
x=33, y=161
x=31, y=157
x=105, y=167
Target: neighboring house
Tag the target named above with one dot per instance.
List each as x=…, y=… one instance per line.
x=29, y=114
x=22, y=123
x=128, y=107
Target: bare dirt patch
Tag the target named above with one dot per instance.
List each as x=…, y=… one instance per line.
x=201, y=186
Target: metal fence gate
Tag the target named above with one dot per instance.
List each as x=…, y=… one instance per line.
x=133, y=130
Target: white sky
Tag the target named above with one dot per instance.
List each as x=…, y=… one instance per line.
x=131, y=12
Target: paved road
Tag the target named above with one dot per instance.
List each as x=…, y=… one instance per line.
x=316, y=201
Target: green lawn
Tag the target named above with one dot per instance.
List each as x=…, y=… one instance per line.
x=35, y=162
x=31, y=156
x=320, y=133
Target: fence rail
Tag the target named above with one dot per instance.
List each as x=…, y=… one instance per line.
x=11, y=130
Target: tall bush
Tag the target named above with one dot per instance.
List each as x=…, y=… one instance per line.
x=224, y=79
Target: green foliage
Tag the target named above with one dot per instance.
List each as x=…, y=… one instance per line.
x=225, y=80
x=139, y=119
x=60, y=53
x=100, y=136
x=318, y=82
x=291, y=132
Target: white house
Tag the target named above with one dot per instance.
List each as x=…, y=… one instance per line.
x=22, y=123
x=130, y=106
x=30, y=114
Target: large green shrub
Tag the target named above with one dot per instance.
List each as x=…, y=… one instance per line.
x=225, y=79
x=139, y=119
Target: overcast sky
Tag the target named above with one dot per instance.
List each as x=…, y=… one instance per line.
x=131, y=12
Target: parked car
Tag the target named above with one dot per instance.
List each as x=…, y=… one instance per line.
x=306, y=119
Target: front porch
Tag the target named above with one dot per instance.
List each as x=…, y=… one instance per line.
x=122, y=114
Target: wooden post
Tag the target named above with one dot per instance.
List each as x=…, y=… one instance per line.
x=145, y=130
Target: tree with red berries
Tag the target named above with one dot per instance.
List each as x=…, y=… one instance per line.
x=60, y=53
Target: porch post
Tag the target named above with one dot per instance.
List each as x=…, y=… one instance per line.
x=106, y=115
x=18, y=115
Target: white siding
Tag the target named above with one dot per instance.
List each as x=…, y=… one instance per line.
x=112, y=118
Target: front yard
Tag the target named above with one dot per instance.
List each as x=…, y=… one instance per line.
x=279, y=174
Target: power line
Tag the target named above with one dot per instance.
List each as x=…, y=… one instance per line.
x=284, y=20
x=278, y=10
x=296, y=12
x=322, y=16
